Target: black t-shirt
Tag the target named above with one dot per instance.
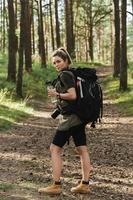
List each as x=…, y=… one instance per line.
x=65, y=81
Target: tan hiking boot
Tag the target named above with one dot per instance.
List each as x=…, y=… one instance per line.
x=52, y=189
x=82, y=188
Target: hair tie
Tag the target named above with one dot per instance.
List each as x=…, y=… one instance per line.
x=66, y=52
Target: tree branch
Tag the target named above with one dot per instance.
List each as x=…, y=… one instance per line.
x=130, y=13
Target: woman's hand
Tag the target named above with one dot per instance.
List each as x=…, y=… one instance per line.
x=52, y=93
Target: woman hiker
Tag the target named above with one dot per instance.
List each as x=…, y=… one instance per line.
x=70, y=125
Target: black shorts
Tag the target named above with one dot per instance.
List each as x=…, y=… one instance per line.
x=77, y=133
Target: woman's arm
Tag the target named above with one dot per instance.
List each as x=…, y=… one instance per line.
x=69, y=95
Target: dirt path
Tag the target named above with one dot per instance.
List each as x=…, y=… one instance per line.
x=25, y=159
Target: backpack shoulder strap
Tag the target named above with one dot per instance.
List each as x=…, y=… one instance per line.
x=66, y=71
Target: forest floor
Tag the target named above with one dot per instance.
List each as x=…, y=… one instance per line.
x=25, y=163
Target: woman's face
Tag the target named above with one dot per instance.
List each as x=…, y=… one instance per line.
x=59, y=63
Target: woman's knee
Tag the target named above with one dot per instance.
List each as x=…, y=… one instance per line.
x=55, y=149
x=81, y=149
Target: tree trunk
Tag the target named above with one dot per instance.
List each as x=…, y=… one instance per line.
x=117, y=39
x=41, y=36
x=86, y=44
x=91, y=43
x=123, y=68
x=51, y=25
x=28, y=62
x=89, y=15
x=4, y=26
x=1, y=23
x=99, y=37
x=58, y=41
x=21, y=51
x=70, y=40
x=16, y=10
x=103, y=44
x=38, y=28
x=111, y=39
x=33, y=28
x=12, y=43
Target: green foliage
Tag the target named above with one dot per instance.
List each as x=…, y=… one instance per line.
x=124, y=100
x=4, y=84
x=34, y=83
x=11, y=111
x=131, y=67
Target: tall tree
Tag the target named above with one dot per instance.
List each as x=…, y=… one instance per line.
x=94, y=14
x=33, y=27
x=51, y=25
x=4, y=27
x=19, y=83
x=42, y=51
x=70, y=40
x=16, y=10
x=90, y=24
x=117, y=39
x=123, y=68
x=12, y=43
x=27, y=44
x=57, y=25
x=111, y=38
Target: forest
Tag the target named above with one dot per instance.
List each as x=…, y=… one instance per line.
x=92, y=32
x=97, y=34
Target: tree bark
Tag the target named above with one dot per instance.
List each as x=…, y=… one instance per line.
x=57, y=25
x=12, y=44
x=117, y=39
x=41, y=35
x=51, y=25
x=28, y=62
x=111, y=39
x=123, y=68
x=16, y=10
x=70, y=40
x=91, y=54
x=4, y=26
x=91, y=43
x=33, y=28
x=21, y=51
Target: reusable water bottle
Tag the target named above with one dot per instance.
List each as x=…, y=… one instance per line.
x=53, y=100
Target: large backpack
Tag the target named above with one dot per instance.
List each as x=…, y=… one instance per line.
x=89, y=103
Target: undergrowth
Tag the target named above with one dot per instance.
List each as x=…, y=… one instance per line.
x=124, y=100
